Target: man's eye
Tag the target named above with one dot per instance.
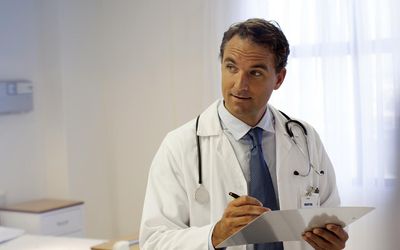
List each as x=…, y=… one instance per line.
x=256, y=73
x=231, y=67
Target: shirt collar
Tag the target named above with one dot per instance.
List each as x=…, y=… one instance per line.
x=238, y=128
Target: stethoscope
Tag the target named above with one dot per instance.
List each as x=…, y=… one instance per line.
x=201, y=194
x=289, y=124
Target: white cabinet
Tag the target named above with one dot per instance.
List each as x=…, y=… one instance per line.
x=45, y=217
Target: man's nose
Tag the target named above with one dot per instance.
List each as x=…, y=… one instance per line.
x=242, y=81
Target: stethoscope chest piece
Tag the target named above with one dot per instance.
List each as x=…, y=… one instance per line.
x=201, y=195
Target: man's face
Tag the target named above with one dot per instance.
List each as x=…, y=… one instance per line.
x=248, y=79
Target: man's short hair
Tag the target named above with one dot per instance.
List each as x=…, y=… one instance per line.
x=265, y=33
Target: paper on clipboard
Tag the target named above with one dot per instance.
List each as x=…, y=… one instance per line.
x=288, y=225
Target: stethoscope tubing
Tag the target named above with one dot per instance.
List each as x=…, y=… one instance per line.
x=291, y=135
x=198, y=152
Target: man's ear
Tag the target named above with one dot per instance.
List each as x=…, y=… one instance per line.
x=279, y=78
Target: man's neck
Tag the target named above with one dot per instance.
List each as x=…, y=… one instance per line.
x=249, y=119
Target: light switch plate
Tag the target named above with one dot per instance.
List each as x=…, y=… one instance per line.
x=16, y=96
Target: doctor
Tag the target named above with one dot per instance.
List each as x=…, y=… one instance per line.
x=187, y=205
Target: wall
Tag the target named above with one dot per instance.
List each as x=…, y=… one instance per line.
x=111, y=78
x=87, y=143
x=21, y=167
x=155, y=76
x=58, y=150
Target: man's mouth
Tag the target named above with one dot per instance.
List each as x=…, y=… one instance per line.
x=241, y=97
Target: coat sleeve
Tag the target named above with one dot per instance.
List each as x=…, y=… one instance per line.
x=165, y=219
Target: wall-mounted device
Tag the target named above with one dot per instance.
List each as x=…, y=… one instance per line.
x=16, y=96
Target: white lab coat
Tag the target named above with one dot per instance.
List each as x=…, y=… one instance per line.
x=173, y=219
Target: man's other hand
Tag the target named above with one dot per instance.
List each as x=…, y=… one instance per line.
x=332, y=237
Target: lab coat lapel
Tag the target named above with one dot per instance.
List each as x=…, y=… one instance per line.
x=209, y=124
x=225, y=159
x=284, y=145
x=229, y=161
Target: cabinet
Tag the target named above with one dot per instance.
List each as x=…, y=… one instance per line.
x=45, y=217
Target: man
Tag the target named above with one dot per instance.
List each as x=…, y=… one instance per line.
x=243, y=147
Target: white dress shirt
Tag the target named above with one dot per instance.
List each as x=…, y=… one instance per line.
x=236, y=131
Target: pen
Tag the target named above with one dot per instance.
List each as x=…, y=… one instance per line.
x=234, y=195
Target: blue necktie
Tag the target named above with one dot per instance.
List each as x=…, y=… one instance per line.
x=261, y=186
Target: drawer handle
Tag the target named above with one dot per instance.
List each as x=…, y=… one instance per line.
x=62, y=223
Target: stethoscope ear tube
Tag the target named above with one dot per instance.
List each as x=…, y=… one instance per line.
x=198, y=151
x=289, y=130
x=289, y=120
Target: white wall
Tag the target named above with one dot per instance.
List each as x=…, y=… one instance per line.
x=111, y=78
x=59, y=149
x=21, y=165
x=155, y=82
x=90, y=169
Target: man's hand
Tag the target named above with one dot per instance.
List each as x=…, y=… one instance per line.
x=332, y=237
x=237, y=214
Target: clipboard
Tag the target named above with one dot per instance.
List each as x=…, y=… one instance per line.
x=288, y=225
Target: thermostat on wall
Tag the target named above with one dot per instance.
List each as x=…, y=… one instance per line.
x=16, y=96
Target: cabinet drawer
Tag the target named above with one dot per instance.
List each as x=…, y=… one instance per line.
x=63, y=221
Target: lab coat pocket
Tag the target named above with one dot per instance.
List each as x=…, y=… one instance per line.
x=296, y=170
